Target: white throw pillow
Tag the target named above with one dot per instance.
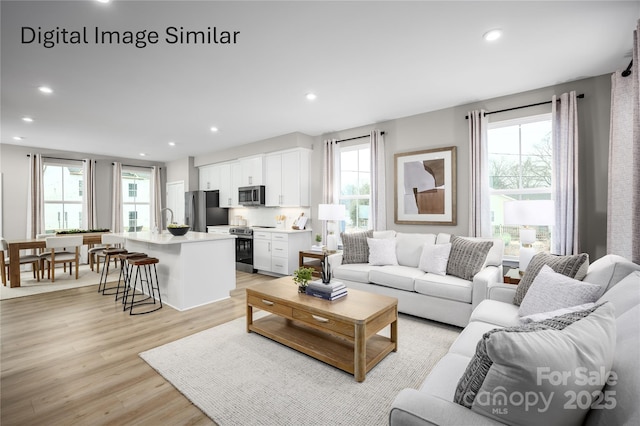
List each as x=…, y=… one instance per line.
x=384, y=234
x=550, y=291
x=382, y=251
x=434, y=258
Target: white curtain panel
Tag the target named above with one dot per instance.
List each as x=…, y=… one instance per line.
x=328, y=177
x=35, y=201
x=89, y=209
x=564, y=123
x=156, y=198
x=116, y=198
x=378, y=178
x=623, y=204
x=479, y=207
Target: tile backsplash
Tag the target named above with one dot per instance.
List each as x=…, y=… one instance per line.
x=267, y=216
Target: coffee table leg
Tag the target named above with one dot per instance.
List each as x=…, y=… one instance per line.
x=249, y=317
x=360, y=353
x=394, y=334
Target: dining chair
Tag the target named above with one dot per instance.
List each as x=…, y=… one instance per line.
x=59, y=253
x=23, y=260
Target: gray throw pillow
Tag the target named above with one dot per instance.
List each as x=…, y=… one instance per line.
x=467, y=257
x=478, y=368
x=574, y=266
x=354, y=246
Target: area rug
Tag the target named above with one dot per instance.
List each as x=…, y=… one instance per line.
x=240, y=378
x=30, y=286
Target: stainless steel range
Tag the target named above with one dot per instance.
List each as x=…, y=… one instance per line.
x=244, y=248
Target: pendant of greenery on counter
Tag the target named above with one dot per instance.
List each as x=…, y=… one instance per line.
x=81, y=231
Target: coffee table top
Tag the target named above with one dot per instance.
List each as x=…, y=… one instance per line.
x=357, y=306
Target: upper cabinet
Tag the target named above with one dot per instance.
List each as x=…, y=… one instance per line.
x=223, y=177
x=252, y=171
x=287, y=178
x=209, y=178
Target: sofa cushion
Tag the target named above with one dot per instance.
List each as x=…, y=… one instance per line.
x=438, y=382
x=495, y=312
x=384, y=234
x=550, y=291
x=434, y=258
x=358, y=272
x=525, y=360
x=625, y=294
x=382, y=251
x=465, y=344
x=571, y=266
x=444, y=287
x=409, y=247
x=400, y=277
x=620, y=403
x=609, y=270
x=467, y=257
x=354, y=247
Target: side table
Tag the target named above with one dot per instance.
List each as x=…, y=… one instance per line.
x=513, y=276
x=315, y=263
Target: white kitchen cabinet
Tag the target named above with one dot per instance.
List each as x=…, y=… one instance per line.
x=236, y=181
x=287, y=178
x=208, y=178
x=221, y=178
x=277, y=252
x=252, y=171
x=262, y=251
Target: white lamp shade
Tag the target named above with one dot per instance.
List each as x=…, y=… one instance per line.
x=332, y=212
x=529, y=212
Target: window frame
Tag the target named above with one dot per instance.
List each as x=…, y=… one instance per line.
x=347, y=199
x=125, y=179
x=62, y=164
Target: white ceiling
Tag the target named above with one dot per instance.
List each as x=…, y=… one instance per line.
x=367, y=61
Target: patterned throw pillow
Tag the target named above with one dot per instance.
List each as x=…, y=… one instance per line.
x=354, y=247
x=476, y=372
x=574, y=266
x=467, y=257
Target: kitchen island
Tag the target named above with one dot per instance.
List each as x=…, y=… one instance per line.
x=194, y=269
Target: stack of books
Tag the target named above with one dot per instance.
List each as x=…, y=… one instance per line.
x=332, y=291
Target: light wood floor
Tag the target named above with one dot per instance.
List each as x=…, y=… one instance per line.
x=71, y=357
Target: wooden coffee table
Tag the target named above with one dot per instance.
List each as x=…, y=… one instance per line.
x=341, y=333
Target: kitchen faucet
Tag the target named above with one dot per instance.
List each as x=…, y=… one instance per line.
x=170, y=211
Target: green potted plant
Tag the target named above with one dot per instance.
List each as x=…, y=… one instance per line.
x=318, y=238
x=302, y=276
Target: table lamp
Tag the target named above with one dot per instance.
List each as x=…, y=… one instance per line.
x=528, y=213
x=332, y=213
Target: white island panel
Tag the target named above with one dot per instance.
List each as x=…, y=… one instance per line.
x=194, y=270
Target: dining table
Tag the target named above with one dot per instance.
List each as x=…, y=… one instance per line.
x=32, y=243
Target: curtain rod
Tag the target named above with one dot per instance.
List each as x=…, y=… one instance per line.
x=58, y=158
x=580, y=96
x=627, y=72
x=356, y=137
x=131, y=165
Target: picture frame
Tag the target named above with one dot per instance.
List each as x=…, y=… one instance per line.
x=425, y=187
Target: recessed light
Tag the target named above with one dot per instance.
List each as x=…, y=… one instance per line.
x=142, y=154
x=492, y=35
x=214, y=129
x=103, y=1
x=18, y=138
x=311, y=96
x=172, y=144
x=45, y=89
x=27, y=119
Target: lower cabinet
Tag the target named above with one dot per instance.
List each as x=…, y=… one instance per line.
x=277, y=252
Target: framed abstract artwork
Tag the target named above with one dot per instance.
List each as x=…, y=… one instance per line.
x=425, y=183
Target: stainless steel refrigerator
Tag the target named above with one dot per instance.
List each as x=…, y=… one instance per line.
x=202, y=209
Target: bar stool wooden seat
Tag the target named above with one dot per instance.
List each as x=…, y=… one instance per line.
x=144, y=275
x=125, y=273
x=109, y=253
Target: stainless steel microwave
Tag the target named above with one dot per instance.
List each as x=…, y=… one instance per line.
x=251, y=195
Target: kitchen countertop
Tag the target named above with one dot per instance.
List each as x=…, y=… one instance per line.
x=166, y=238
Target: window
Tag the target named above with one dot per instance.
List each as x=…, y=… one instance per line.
x=62, y=196
x=520, y=161
x=355, y=185
x=136, y=200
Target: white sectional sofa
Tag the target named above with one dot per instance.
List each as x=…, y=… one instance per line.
x=433, y=403
x=448, y=299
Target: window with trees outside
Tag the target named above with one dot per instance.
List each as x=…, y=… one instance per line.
x=62, y=196
x=520, y=161
x=355, y=186
x=136, y=200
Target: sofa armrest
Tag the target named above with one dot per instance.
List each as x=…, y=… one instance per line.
x=484, y=279
x=335, y=260
x=412, y=407
x=502, y=292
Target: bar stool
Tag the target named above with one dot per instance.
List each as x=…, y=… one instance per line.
x=108, y=253
x=145, y=263
x=125, y=273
